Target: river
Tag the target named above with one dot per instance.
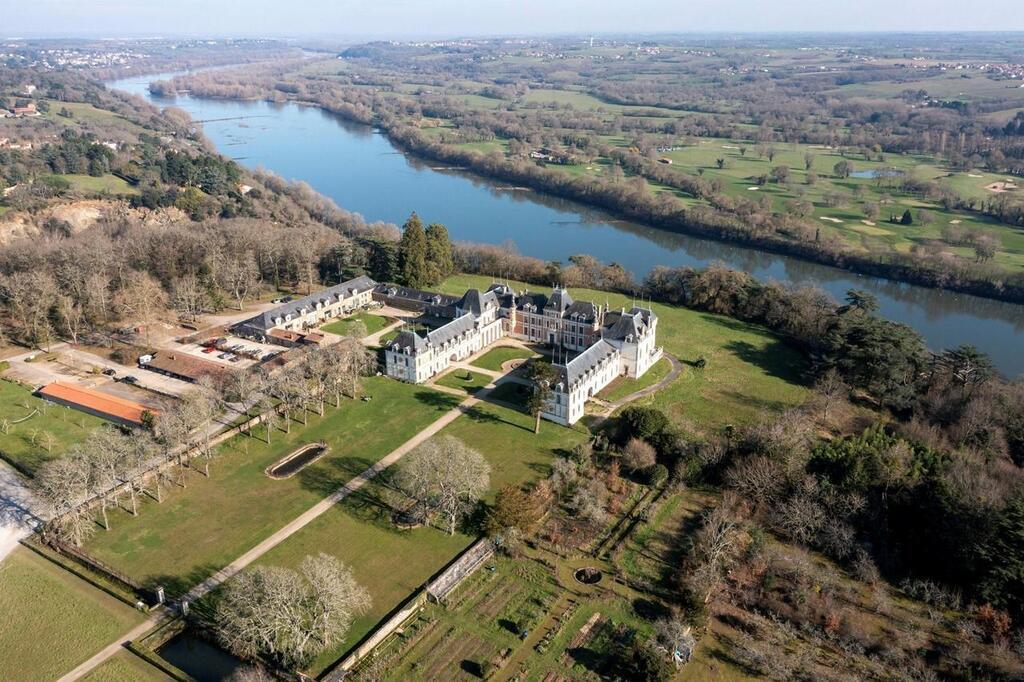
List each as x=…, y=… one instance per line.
x=358, y=168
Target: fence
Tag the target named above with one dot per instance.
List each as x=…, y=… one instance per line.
x=442, y=586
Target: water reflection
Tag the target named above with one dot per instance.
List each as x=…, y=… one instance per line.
x=358, y=168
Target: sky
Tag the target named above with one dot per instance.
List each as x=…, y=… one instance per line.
x=448, y=18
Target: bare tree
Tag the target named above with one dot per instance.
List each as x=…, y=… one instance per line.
x=446, y=475
x=715, y=545
x=190, y=297
x=638, y=454
x=63, y=484
x=71, y=315
x=140, y=299
x=290, y=616
x=239, y=276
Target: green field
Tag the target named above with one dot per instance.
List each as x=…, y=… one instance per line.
x=201, y=528
x=373, y=324
x=496, y=357
x=624, y=386
x=464, y=380
x=124, y=666
x=103, y=185
x=52, y=620
x=748, y=370
x=25, y=443
x=393, y=563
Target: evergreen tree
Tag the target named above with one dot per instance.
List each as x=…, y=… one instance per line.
x=440, y=258
x=382, y=260
x=412, y=253
x=907, y=218
x=1004, y=556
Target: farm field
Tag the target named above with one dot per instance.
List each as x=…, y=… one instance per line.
x=52, y=620
x=373, y=324
x=28, y=442
x=748, y=368
x=199, y=529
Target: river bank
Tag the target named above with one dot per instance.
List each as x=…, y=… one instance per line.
x=364, y=172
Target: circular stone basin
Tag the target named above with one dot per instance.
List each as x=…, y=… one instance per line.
x=290, y=465
x=588, y=575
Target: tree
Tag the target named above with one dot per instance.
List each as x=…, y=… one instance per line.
x=446, y=475
x=843, y=169
x=638, y=455
x=512, y=508
x=63, y=485
x=639, y=659
x=544, y=377
x=1003, y=554
x=290, y=616
x=641, y=422
x=190, y=297
x=412, y=253
x=140, y=299
x=780, y=174
x=986, y=248
x=440, y=258
x=908, y=218
x=808, y=161
x=239, y=276
x=967, y=365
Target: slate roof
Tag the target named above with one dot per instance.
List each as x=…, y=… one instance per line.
x=436, y=337
x=583, y=310
x=538, y=300
x=408, y=339
x=575, y=369
x=475, y=302
x=560, y=300
x=265, y=320
x=620, y=325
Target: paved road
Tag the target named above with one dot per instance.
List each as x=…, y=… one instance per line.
x=19, y=512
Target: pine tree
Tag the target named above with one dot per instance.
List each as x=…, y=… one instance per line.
x=440, y=258
x=412, y=253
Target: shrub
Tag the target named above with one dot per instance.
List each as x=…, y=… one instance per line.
x=657, y=475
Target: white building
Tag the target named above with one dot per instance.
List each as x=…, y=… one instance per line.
x=609, y=344
x=309, y=311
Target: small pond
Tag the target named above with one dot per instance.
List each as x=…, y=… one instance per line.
x=202, y=660
x=588, y=575
x=291, y=464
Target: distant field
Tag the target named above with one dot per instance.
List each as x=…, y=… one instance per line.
x=52, y=620
x=106, y=184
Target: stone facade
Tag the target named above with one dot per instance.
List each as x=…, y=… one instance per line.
x=606, y=344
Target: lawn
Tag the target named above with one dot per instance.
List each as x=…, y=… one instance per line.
x=511, y=392
x=373, y=324
x=52, y=620
x=124, y=666
x=360, y=532
x=624, y=386
x=464, y=380
x=105, y=184
x=197, y=530
x=496, y=357
x=25, y=443
x=749, y=369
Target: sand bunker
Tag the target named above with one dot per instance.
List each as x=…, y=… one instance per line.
x=955, y=222
x=974, y=175
x=830, y=219
x=1001, y=186
x=729, y=146
x=753, y=189
x=868, y=222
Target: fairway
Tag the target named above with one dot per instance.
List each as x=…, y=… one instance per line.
x=748, y=368
x=201, y=528
x=38, y=431
x=52, y=620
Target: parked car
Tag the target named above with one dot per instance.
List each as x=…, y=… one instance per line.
x=234, y=358
x=209, y=349
x=109, y=371
x=130, y=379
x=277, y=301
